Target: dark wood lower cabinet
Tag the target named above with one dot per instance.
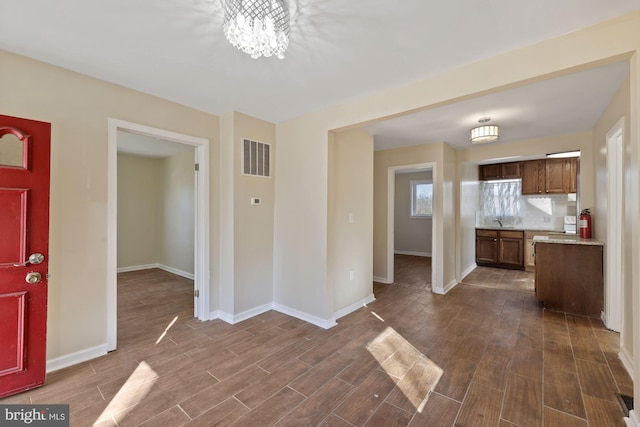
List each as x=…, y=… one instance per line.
x=486, y=247
x=500, y=248
x=569, y=277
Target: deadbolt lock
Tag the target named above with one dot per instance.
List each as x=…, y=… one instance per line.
x=33, y=277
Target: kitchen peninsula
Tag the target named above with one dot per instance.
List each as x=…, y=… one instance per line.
x=569, y=274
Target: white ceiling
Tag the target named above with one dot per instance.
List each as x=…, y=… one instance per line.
x=571, y=103
x=340, y=50
x=147, y=146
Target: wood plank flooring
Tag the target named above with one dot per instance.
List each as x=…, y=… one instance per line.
x=478, y=356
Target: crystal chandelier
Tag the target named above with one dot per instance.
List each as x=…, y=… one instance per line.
x=484, y=133
x=257, y=27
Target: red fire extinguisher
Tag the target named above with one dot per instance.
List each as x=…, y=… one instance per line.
x=585, y=224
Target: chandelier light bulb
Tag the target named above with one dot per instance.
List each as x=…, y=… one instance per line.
x=257, y=27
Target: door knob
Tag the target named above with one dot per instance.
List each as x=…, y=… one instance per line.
x=33, y=277
x=35, y=258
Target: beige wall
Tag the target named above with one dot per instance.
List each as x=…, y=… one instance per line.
x=253, y=225
x=410, y=234
x=632, y=207
x=469, y=203
x=443, y=248
x=140, y=193
x=350, y=244
x=156, y=218
x=246, y=237
x=300, y=222
x=447, y=228
x=226, y=244
x=78, y=108
x=177, y=224
x=619, y=108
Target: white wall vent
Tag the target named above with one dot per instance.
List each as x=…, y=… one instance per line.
x=256, y=158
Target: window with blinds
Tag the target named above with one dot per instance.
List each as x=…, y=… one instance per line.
x=256, y=158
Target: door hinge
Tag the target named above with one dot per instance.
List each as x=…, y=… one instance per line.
x=196, y=293
x=197, y=167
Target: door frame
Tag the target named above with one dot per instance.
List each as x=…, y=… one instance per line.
x=391, y=203
x=614, y=264
x=202, y=218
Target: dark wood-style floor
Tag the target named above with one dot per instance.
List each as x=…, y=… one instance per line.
x=478, y=356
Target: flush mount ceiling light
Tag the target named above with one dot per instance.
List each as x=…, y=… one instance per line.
x=257, y=27
x=484, y=133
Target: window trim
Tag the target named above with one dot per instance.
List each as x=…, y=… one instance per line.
x=414, y=184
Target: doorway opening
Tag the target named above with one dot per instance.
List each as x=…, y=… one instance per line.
x=614, y=265
x=416, y=175
x=201, y=220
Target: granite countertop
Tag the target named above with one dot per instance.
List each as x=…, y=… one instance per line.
x=567, y=239
x=520, y=228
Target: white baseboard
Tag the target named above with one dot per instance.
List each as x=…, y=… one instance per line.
x=626, y=359
x=233, y=319
x=157, y=265
x=424, y=254
x=384, y=280
x=633, y=420
x=452, y=284
x=226, y=317
x=469, y=270
x=177, y=272
x=247, y=314
x=75, y=358
x=353, y=307
x=314, y=320
x=137, y=268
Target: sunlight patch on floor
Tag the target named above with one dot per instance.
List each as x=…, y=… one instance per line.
x=162, y=335
x=378, y=317
x=413, y=372
x=132, y=392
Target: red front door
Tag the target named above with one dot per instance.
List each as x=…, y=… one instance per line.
x=24, y=252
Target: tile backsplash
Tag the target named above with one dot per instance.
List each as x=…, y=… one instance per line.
x=543, y=212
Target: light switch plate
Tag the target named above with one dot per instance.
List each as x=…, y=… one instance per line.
x=255, y=201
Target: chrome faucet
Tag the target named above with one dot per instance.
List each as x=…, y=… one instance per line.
x=498, y=221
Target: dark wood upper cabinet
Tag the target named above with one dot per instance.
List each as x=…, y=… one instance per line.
x=556, y=181
x=533, y=177
x=500, y=171
x=510, y=170
x=490, y=172
x=550, y=176
x=571, y=169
